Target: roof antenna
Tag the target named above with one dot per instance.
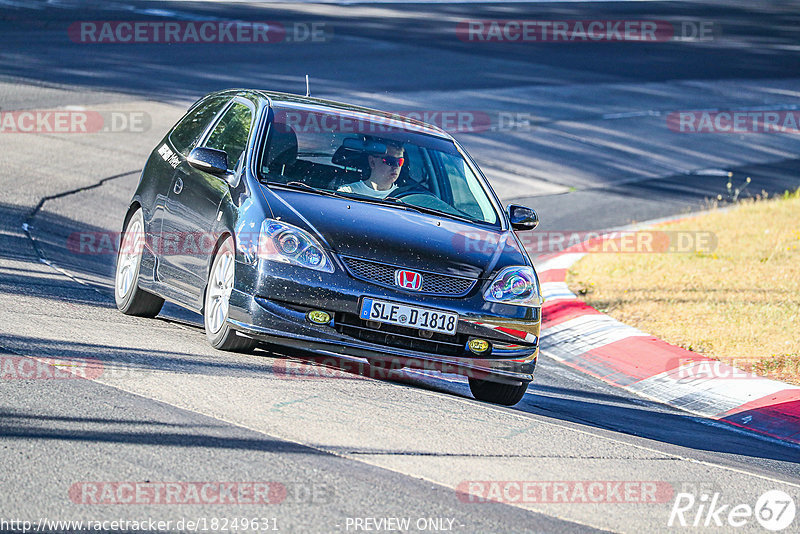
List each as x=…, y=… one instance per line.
x=308, y=89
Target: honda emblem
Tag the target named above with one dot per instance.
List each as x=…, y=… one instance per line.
x=408, y=279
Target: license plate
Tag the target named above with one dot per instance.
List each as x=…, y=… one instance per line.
x=410, y=316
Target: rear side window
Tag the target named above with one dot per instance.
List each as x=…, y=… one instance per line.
x=230, y=135
x=186, y=133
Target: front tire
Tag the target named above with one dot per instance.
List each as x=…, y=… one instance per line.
x=130, y=299
x=217, y=303
x=496, y=393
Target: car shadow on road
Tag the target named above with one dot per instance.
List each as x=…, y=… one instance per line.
x=618, y=413
x=78, y=272
x=126, y=364
x=20, y=425
x=52, y=234
x=602, y=410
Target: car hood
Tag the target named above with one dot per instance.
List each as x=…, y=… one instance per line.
x=398, y=236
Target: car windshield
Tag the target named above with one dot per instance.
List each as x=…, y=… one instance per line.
x=379, y=160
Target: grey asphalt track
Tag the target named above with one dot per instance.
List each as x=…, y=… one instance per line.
x=595, y=153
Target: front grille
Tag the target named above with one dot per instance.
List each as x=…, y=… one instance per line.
x=400, y=337
x=432, y=283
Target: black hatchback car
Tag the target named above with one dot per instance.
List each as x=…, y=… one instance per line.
x=334, y=229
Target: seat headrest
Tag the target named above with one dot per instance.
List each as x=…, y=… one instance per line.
x=348, y=157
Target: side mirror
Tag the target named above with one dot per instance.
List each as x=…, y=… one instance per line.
x=209, y=160
x=522, y=218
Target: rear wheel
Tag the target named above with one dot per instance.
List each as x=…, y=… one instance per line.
x=496, y=393
x=130, y=299
x=217, y=303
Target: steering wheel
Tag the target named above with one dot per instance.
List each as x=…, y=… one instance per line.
x=407, y=190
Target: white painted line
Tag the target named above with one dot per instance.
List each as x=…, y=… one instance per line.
x=691, y=388
x=556, y=291
x=631, y=114
x=21, y=4
x=563, y=261
x=585, y=333
x=711, y=172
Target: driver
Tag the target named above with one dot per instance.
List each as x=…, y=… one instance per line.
x=383, y=173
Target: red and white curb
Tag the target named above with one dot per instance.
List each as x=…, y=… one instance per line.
x=581, y=337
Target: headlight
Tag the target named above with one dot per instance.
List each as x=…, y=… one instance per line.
x=515, y=285
x=289, y=244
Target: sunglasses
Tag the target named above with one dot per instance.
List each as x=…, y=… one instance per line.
x=393, y=161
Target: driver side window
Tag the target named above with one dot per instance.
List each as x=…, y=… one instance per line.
x=231, y=133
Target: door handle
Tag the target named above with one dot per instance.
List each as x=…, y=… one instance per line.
x=178, y=186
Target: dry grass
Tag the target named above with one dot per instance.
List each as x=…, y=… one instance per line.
x=739, y=303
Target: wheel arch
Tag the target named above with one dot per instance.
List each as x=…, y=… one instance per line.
x=135, y=205
x=225, y=234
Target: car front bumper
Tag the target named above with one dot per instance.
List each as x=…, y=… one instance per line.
x=282, y=319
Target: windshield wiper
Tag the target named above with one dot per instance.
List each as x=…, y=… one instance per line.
x=429, y=211
x=350, y=196
x=305, y=187
x=391, y=201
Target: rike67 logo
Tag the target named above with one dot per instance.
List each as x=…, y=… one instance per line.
x=774, y=510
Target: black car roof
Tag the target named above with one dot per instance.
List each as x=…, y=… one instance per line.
x=312, y=103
